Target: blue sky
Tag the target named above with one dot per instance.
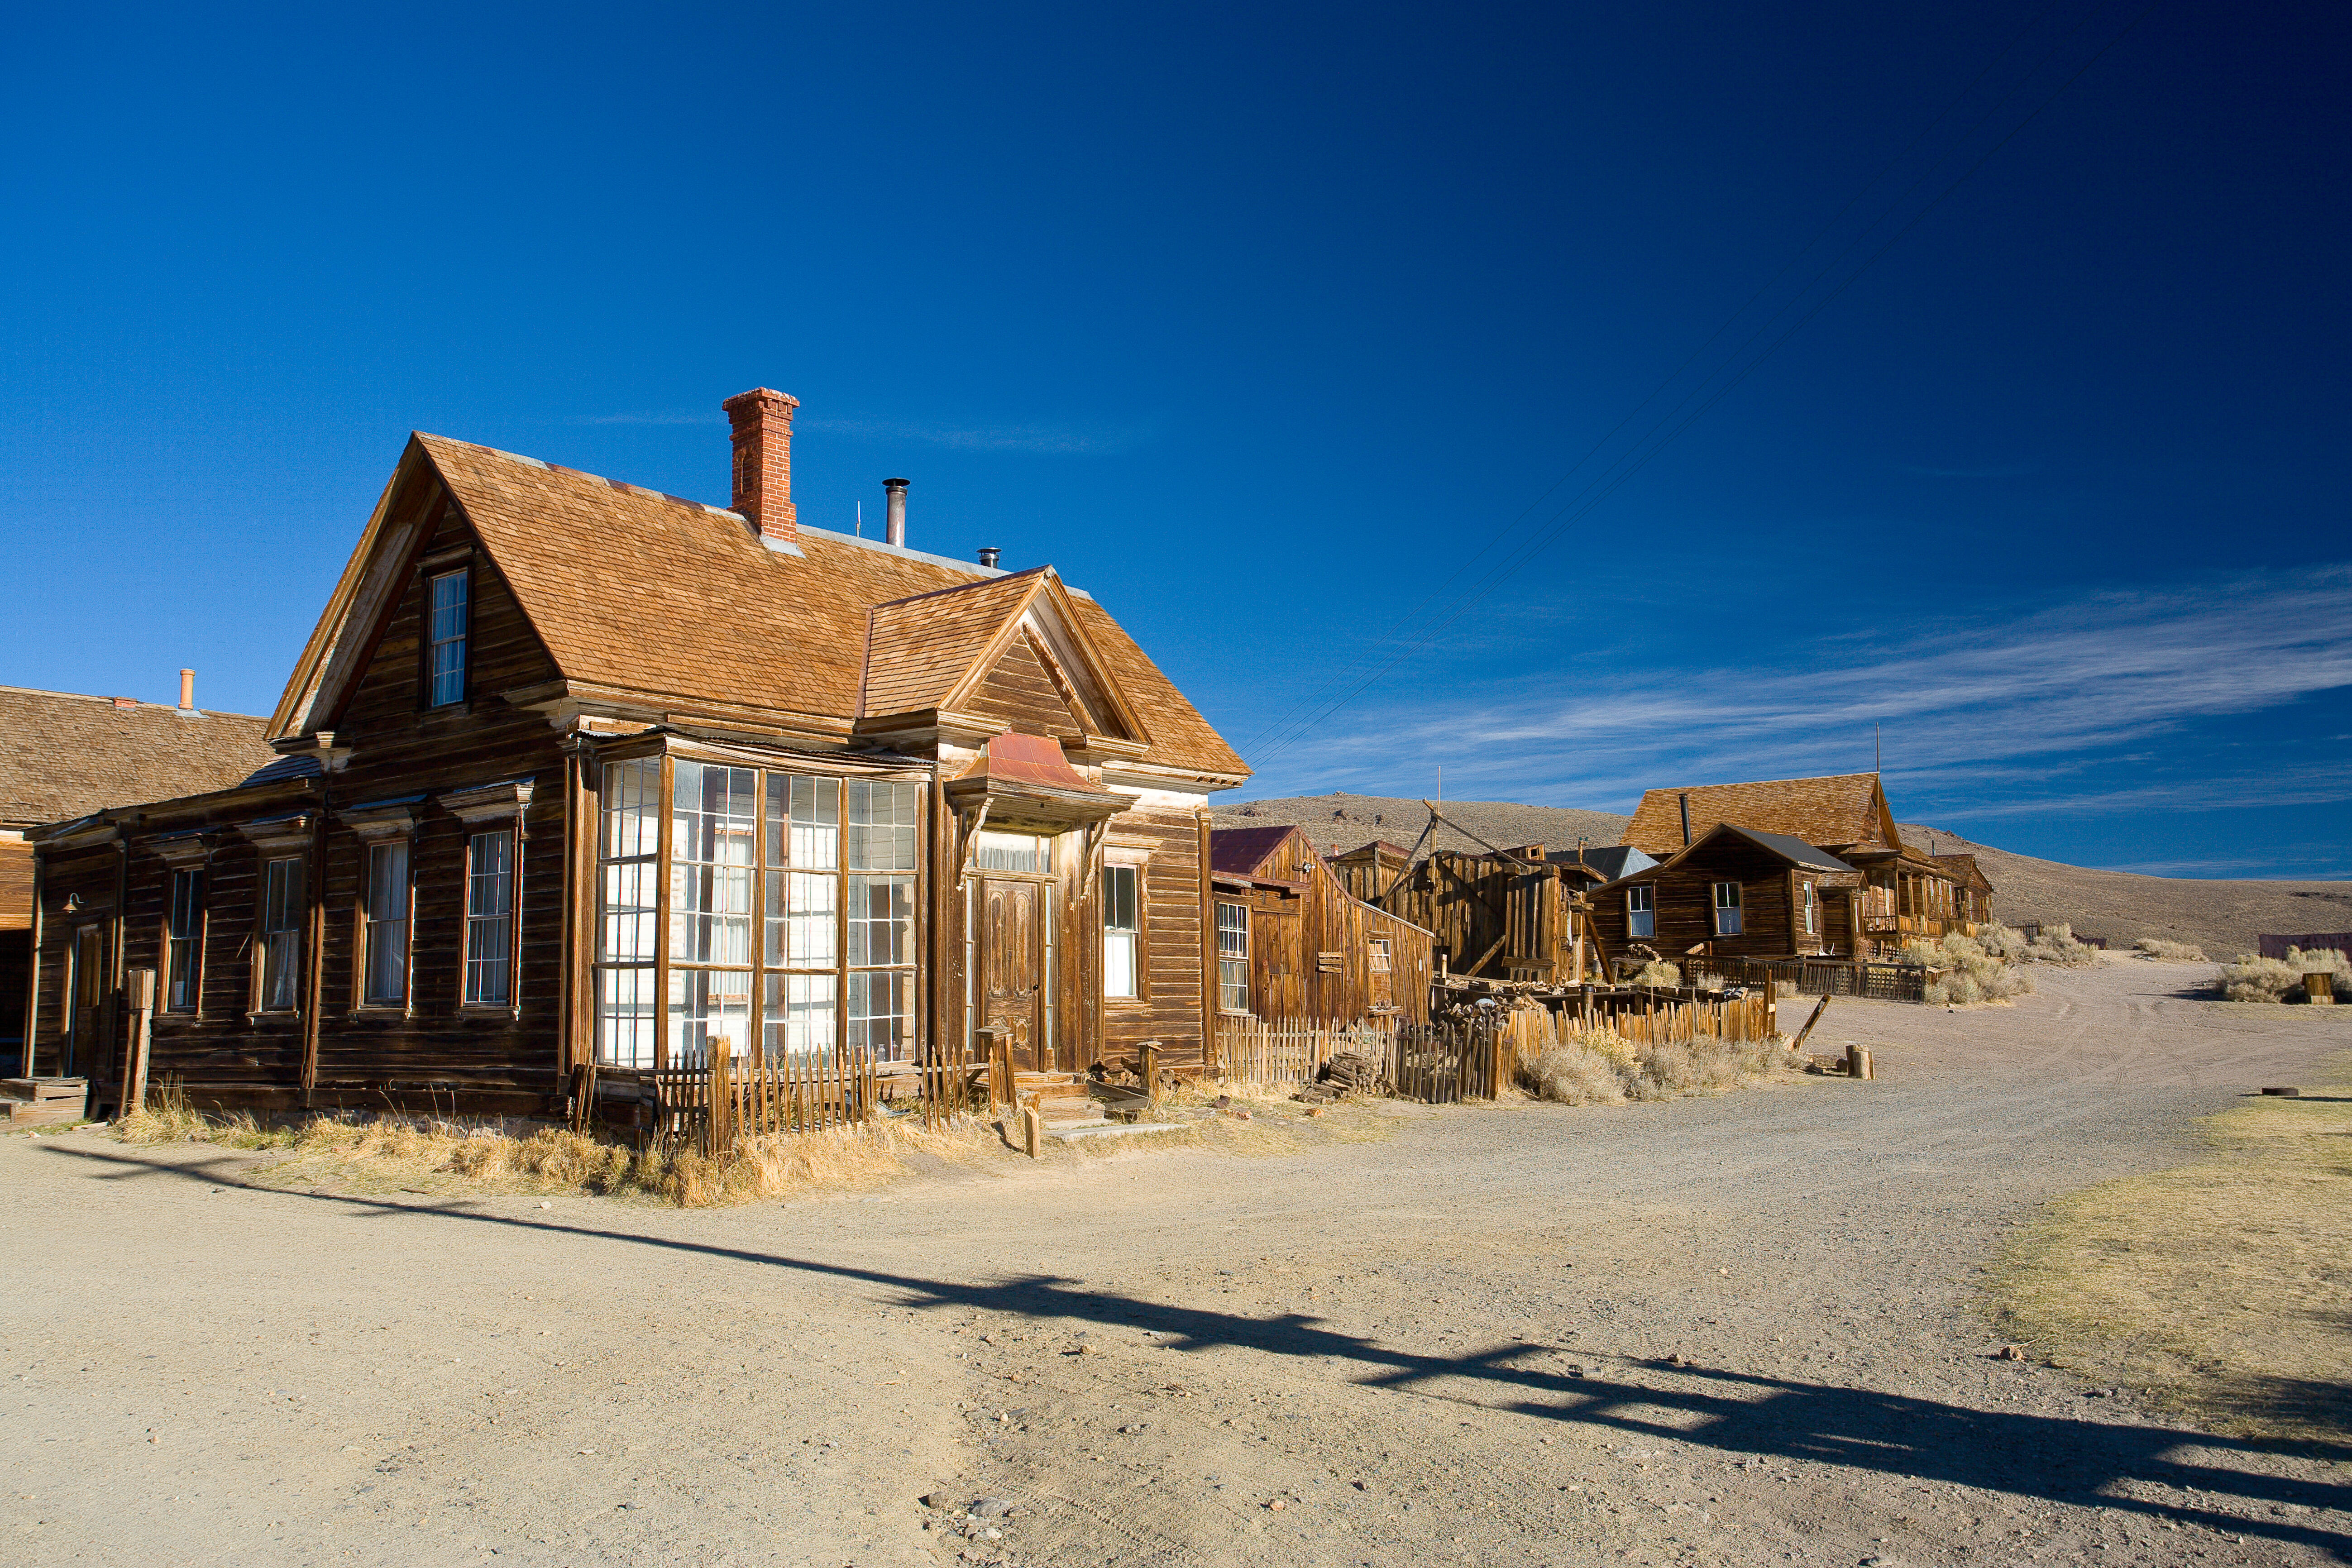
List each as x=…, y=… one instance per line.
x=1261, y=325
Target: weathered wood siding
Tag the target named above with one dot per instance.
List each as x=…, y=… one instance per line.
x=1685, y=903
x=1170, y=1011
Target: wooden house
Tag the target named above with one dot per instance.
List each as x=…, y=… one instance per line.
x=1971, y=892
x=1733, y=892
x=62, y=755
x=578, y=772
x=1512, y=914
x=1294, y=943
x=1897, y=892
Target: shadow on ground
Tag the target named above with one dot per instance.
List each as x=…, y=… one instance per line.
x=2080, y=1463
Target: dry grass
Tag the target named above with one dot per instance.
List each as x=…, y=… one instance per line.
x=2253, y=979
x=384, y=1154
x=2169, y=952
x=1599, y=1066
x=1657, y=972
x=2218, y=1288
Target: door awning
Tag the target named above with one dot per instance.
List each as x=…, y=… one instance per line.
x=1025, y=778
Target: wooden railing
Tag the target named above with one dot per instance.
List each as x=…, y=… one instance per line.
x=1439, y=1064
x=1818, y=977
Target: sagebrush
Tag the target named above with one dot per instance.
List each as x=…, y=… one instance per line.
x=2169, y=952
x=1600, y=1067
x=1969, y=973
x=2057, y=944
x=2254, y=979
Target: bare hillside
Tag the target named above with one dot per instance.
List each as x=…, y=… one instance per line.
x=1342, y=822
x=2223, y=918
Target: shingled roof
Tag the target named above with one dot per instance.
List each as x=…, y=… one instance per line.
x=652, y=597
x=64, y=756
x=1838, y=812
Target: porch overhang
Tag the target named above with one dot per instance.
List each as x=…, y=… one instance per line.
x=1025, y=778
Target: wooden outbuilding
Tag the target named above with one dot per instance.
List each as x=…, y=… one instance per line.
x=1734, y=892
x=1294, y=944
x=573, y=771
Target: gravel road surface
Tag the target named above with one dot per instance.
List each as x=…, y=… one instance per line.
x=1734, y=1330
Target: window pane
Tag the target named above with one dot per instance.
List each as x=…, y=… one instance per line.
x=625, y=1017
x=625, y=934
x=187, y=925
x=712, y=817
x=448, y=638
x=1232, y=984
x=882, y=826
x=706, y=1005
x=1233, y=931
x=881, y=1013
x=1119, y=898
x=631, y=826
x=993, y=851
x=1119, y=963
x=281, y=934
x=802, y=920
x=881, y=919
x=385, y=912
x=798, y=1016
x=803, y=822
x=489, y=892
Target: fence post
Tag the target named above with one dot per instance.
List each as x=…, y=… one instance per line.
x=998, y=1053
x=1149, y=1054
x=719, y=1126
x=140, y=987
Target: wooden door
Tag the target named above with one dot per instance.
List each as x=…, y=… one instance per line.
x=85, y=982
x=1011, y=963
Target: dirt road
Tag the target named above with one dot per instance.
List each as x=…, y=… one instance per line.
x=1452, y=1345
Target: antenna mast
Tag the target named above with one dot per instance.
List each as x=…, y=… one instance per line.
x=1874, y=746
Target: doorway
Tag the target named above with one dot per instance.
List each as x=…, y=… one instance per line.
x=1015, y=967
x=86, y=988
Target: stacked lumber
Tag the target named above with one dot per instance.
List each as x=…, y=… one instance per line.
x=1348, y=1072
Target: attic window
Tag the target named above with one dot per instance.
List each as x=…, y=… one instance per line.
x=445, y=671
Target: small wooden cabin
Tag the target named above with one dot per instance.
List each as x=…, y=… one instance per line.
x=1735, y=892
x=62, y=755
x=1294, y=943
x=1899, y=891
x=573, y=771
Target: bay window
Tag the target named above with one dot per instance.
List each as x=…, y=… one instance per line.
x=791, y=910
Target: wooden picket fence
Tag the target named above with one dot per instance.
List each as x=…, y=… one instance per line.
x=1439, y=1064
x=733, y=1096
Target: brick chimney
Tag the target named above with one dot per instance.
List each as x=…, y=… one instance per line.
x=763, y=422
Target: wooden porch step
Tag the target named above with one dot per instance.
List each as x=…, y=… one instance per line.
x=39, y=1101
x=1111, y=1129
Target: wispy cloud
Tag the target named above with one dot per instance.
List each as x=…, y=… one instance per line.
x=1051, y=440
x=2038, y=702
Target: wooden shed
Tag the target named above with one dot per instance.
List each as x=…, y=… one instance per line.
x=575, y=774
x=1294, y=943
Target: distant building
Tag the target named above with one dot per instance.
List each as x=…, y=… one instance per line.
x=1896, y=891
x=64, y=756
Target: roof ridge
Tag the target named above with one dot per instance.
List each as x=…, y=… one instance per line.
x=135, y=701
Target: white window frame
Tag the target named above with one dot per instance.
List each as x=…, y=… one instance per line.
x=448, y=645
x=1233, y=959
x=1731, y=907
x=374, y=919
x=1642, y=920
x=1811, y=909
x=1122, y=937
x=184, y=946
x=490, y=933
